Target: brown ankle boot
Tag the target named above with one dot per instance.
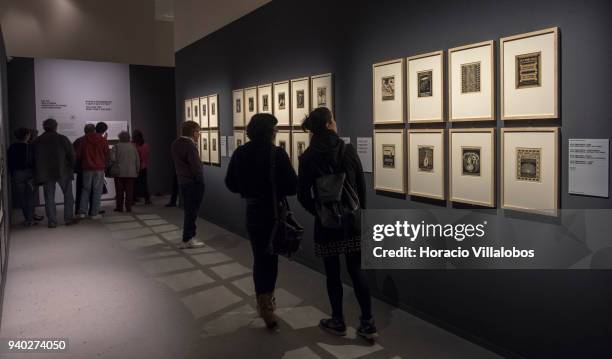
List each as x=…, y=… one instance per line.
x=265, y=307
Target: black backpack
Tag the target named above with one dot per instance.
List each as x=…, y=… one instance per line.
x=336, y=202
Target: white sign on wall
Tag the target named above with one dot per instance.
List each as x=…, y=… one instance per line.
x=589, y=161
x=75, y=93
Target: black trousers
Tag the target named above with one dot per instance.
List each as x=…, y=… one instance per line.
x=265, y=265
x=174, y=196
x=192, y=200
x=334, y=284
x=141, y=188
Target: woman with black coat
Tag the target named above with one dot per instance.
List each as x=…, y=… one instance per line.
x=323, y=152
x=249, y=174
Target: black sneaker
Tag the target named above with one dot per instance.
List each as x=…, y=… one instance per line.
x=335, y=326
x=367, y=329
x=171, y=205
x=52, y=225
x=38, y=218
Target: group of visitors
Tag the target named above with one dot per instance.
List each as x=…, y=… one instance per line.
x=50, y=160
x=261, y=172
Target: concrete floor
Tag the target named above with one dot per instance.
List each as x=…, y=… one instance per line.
x=120, y=288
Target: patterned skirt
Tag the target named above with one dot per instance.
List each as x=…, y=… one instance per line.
x=334, y=248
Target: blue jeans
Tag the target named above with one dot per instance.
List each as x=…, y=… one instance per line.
x=49, y=189
x=93, y=184
x=24, y=186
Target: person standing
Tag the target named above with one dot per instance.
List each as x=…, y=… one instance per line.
x=249, y=174
x=78, y=170
x=93, y=152
x=327, y=150
x=142, y=182
x=124, y=166
x=54, y=160
x=190, y=177
x=20, y=165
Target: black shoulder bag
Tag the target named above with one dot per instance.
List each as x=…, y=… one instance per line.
x=337, y=203
x=286, y=233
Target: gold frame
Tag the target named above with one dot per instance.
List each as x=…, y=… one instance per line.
x=255, y=104
x=452, y=198
x=217, y=160
x=331, y=77
x=502, y=41
x=202, y=159
x=292, y=120
x=287, y=98
x=404, y=92
x=271, y=104
x=207, y=117
x=185, y=117
x=440, y=131
x=242, y=112
x=555, y=173
x=442, y=81
x=216, y=97
x=402, y=132
x=490, y=43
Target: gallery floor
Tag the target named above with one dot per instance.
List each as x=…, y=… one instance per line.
x=120, y=288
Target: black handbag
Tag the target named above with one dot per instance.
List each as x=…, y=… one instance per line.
x=287, y=233
x=336, y=202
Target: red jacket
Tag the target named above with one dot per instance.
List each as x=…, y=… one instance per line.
x=93, y=152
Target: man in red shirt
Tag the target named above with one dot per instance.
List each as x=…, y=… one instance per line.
x=93, y=153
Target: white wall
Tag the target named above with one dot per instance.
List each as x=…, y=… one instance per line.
x=122, y=31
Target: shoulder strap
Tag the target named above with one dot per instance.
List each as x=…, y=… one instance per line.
x=273, y=180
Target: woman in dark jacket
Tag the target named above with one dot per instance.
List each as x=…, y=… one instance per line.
x=21, y=167
x=249, y=174
x=323, y=152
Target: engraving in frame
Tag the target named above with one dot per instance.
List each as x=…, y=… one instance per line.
x=426, y=158
x=281, y=100
x=470, y=159
x=321, y=96
x=528, y=162
x=425, y=83
x=388, y=156
x=470, y=78
x=388, y=88
x=529, y=70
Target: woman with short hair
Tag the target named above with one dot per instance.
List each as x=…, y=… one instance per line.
x=249, y=174
x=124, y=167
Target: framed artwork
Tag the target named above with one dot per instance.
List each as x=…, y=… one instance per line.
x=301, y=141
x=205, y=146
x=322, y=91
x=471, y=82
x=529, y=75
x=188, y=110
x=283, y=140
x=425, y=87
x=530, y=173
x=300, y=100
x=204, y=112
x=472, y=166
x=213, y=111
x=195, y=110
x=282, y=107
x=215, y=148
x=264, y=98
x=250, y=104
x=238, y=107
x=388, y=91
x=239, y=138
x=426, y=163
x=389, y=160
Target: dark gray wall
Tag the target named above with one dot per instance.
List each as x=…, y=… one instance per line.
x=529, y=313
x=152, y=105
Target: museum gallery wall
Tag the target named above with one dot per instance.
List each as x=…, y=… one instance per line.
x=5, y=218
x=462, y=112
